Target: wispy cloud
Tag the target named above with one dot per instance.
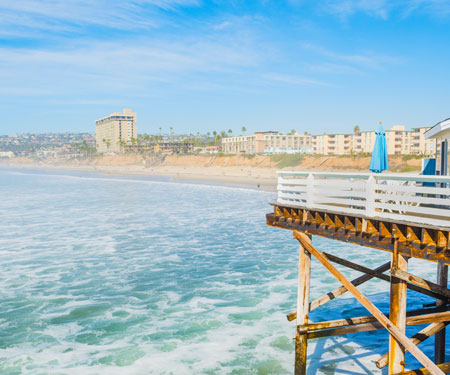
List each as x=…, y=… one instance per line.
x=28, y=17
x=366, y=60
x=384, y=8
x=293, y=80
x=134, y=66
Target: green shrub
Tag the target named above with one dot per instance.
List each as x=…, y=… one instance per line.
x=409, y=169
x=286, y=160
x=411, y=156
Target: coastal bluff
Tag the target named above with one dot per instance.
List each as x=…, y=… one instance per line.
x=245, y=169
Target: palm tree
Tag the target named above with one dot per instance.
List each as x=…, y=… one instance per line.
x=356, y=129
x=160, y=129
x=244, y=129
x=230, y=132
x=171, y=132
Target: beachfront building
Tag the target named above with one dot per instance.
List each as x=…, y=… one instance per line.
x=269, y=142
x=332, y=144
x=113, y=132
x=420, y=145
x=363, y=142
x=399, y=141
x=160, y=147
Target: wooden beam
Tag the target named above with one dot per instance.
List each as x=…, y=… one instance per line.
x=411, y=247
x=414, y=317
x=393, y=330
x=318, y=326
x=397, y=314
x=341, y=290
x=406, y=276
x=419, y=337
x=439, y=340
x=444, y=367
x=374, y=325
x=380, y=275
x=301, y=339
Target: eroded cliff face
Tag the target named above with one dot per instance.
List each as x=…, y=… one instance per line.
x=397, y=163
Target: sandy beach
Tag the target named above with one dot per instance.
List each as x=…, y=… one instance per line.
x=259, y=178
x=254, y=171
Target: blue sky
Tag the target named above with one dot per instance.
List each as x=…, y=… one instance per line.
x=197, y=65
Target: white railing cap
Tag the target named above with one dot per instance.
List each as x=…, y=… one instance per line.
x=378, y=176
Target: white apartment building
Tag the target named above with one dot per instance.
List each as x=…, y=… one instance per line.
x=399, y=141
x=269, y=142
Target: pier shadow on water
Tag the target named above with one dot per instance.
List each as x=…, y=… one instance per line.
x=355, y=354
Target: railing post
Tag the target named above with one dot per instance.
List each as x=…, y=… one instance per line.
x=310, y=190
x=280, y=176
x=370, y=196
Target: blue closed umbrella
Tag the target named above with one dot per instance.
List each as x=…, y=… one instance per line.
x=379, y=161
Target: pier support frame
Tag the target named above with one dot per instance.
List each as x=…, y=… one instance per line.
x=394, y=323
x=404, y=240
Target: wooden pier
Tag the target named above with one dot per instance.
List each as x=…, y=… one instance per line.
x=408, y=216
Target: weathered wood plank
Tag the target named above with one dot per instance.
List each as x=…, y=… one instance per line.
x=366, y=234
x=439, y=340
x=340, y=291
x=414, y=317
x=345, y=329
x=444, y=367
x=397, y=314
x=406, y=276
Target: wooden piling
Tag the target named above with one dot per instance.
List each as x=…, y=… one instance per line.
x=397, y=314
x=439, y=343
x=301, y=339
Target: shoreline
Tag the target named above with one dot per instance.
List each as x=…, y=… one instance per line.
x=177, y=174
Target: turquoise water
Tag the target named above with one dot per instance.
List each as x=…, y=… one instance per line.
x=131, y=276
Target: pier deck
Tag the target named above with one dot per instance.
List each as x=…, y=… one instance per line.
x=408, y=216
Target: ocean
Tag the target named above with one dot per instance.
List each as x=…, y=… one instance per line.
x=115, y=275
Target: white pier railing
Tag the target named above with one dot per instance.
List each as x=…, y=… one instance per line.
x=409, y=198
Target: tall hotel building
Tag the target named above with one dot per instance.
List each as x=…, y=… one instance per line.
x=114, y=131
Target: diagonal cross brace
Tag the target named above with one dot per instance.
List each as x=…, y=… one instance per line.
x=342, y=289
